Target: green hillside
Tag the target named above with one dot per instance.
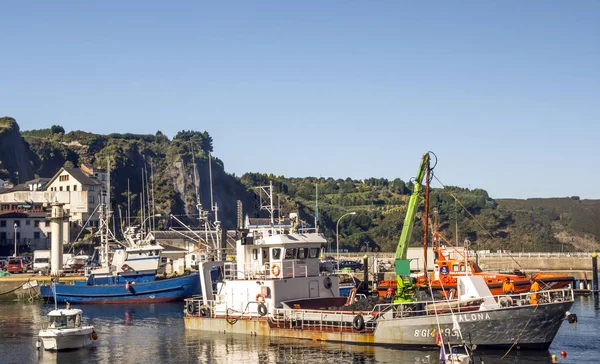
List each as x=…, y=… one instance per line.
x=520, y=225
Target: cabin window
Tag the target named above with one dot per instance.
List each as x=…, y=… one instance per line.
x=302, y=252
x=290, y=253
x=455, y=267
x=254, y=254
x=276, y=253
x=63, y=322
x=462, y=267
x=313, y=252
x=265, y=254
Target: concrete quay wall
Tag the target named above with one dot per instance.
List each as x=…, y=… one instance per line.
x=26, y=287
x=563, y=263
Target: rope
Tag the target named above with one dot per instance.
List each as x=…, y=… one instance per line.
x=520, y=334
x=14, y=289
x=453, y=317
x=486, y=230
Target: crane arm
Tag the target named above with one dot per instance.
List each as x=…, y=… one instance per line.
x=409, y=220
x=405, y=289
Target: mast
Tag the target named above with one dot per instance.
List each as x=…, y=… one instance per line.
x=152, y=189
x=128, y=205
x=212, y=204
x=143, y=220
x=317, y=206
x=271, y=210
x=196, y=185
x=148, y=212
x=426, y=223
x=107, y=203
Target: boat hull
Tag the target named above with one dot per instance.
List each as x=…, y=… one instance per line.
x=66, y=339
x=165, y=290
x=531, y=327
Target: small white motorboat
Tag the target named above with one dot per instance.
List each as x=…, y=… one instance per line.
x=64, y=330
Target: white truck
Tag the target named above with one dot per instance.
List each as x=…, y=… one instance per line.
x=41, y=261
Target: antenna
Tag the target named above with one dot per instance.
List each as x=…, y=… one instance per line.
x=317, y=207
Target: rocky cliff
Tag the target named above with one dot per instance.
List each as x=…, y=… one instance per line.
x=15, y=156
x=165, y=167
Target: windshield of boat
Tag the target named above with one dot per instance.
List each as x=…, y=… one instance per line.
x=475, y=268
x=64, y=322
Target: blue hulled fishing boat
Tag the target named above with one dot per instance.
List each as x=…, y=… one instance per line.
x=128, y=273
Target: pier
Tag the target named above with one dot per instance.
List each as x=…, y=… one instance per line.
x=19, y=287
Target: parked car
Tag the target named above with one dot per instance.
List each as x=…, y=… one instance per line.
x=351, y=264
x=327, y=266
x=16, y=265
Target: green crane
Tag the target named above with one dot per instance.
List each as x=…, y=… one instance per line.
x=404, y=292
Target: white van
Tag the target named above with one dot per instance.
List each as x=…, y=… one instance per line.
x=41, y=261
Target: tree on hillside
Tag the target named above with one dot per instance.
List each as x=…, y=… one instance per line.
x=201, y=140
x=56, y=129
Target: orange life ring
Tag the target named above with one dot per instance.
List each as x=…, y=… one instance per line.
x=275, y=270
x=260, y=298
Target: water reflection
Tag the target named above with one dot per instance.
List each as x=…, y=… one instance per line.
x=155, y=334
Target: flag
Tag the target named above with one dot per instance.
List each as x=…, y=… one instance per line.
x=438, y=338
x=442, y=354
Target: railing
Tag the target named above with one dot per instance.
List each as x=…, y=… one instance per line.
x=339, y=320
x=537, y=255
x=288, y=269
x=481, y=254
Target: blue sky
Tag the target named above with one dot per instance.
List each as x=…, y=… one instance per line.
x=505, y=93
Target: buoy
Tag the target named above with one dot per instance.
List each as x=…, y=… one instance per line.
x=554, y=358
x=563, y=354
x=38, y=344
x=94, y=335
x=127, y=286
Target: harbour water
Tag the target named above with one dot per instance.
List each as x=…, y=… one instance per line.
x=155, y=334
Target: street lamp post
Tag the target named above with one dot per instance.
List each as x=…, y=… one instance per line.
x=337, y=237
x=15, y=253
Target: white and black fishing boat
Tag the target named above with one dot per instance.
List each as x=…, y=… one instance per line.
x=275, y=289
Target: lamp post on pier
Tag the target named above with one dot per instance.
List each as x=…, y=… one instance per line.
x=337, y=237
x=15, y=253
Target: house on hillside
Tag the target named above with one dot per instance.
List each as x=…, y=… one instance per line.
x=37, y=184
x=80, y=185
